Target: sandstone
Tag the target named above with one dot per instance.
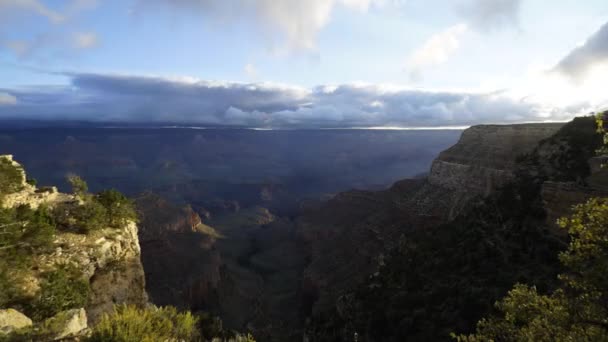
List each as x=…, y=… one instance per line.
x=11, y=320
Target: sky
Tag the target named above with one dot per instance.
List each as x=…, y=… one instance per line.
x=295, y=63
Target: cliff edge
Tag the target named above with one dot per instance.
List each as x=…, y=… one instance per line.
x=485, y=156
x=43, y=261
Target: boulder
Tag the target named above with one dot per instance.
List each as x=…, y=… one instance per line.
x=70, y=323
x=11, y=319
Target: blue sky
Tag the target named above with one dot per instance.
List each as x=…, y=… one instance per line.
x=315, y=63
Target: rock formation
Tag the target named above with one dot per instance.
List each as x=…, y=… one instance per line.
x=109, y=258
x=484, y=157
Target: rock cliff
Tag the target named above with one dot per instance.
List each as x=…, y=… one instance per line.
x=484, y=157
x=109, y=258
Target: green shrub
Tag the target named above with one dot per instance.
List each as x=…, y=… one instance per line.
x=131, y=324
x=119, y=209
x=578, y=309
x=10, y=177
x=81, y=218
x=23, y=230
x=79, y=186
x=62, y=289
x=32, y=181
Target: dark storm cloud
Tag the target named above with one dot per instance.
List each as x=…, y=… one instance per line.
x=580, y=60
x=97, y=97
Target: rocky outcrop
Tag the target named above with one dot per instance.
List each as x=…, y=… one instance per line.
x=29, y=194
x=484, y=157
x=11, y=320
x=70, y=324
x=109, y=258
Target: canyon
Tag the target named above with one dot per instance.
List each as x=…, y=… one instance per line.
x=285, y=260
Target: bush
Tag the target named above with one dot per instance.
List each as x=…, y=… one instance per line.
x=131, y=324
x=62, y=289
x=119, y=209
x=25, y=230
x=79, y=186
x=32, y=181
x=578, y=309
x=10, y=177
x=83, y=218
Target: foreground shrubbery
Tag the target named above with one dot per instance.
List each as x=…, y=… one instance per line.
x=24, y=233
x=62, y=289
x=108, y=208
x=131, y=324
x=10, y=177
x=578, y=309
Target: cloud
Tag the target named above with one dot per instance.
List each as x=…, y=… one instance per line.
x=436, y=50
x=7, y=99
x=579, y=62
x=97, y=97
x=486, y=15
x=85, y=40
x=295, y=23
x=32, y=6
x=44, y=39
x=250, y=70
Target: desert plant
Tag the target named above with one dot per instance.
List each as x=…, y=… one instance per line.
x=132, y=324
x=79, y=186
x=61, y=289
x=119, y=209
x=81, y=218
x=11, y=177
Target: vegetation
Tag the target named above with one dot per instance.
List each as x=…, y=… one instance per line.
x=79, y=186
x=81, y=218
x=11, y=177
x=578, y=309
x=131, y=324
x=119, y=209
x=602, y=128
x=108, y=208
x=61, y=289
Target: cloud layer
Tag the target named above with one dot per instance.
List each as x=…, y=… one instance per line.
x=96, y=97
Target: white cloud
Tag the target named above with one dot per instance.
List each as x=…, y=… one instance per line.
x=437, y=49
x=295, y=23
x=85, y=40
x=7, y=99
x=250, y=70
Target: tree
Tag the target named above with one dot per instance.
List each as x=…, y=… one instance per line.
x=79, y=186
x=118, y=207
x=11, y=177
x=578, y=309
x=602, y=128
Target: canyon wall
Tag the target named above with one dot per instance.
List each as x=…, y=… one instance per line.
x=485, y=156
